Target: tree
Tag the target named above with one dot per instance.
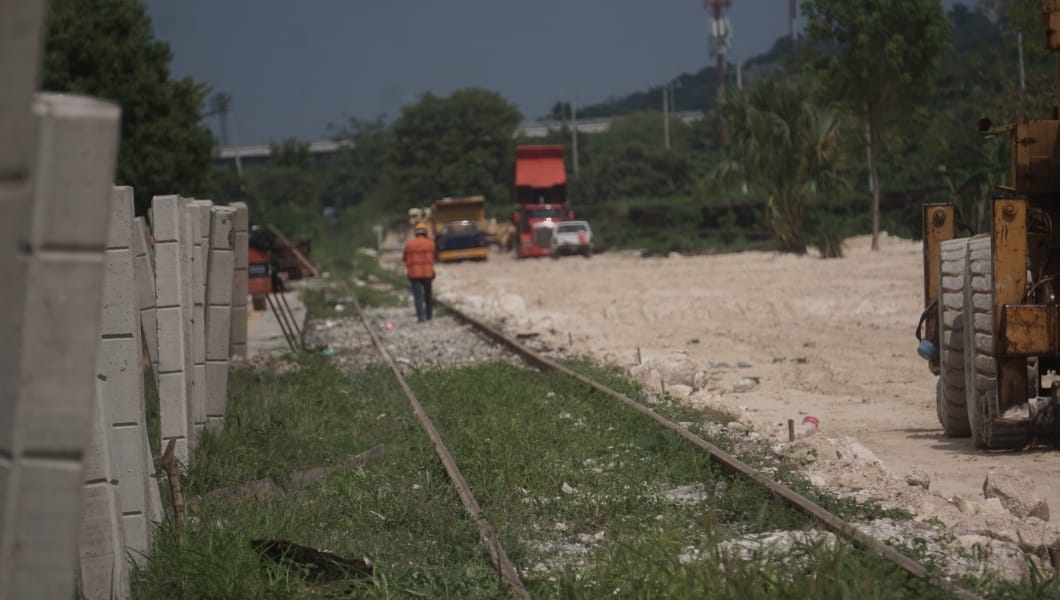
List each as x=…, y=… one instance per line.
x=880, y=61
x=356, y=169
x=287, y=190
x=106, y=48
x=457, y=146
x=785, y=148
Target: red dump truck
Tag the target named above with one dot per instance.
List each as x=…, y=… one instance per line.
x=540, y=198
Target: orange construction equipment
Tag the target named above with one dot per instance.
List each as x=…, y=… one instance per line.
x=259, y=276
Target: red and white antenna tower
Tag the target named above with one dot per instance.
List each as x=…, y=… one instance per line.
x=720, y=35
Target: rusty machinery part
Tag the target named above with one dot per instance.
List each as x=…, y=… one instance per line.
x=989, y=428
x=728, y=462
x=950, y=390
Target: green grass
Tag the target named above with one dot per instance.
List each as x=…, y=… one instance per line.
x=400, y=511
x=529, y=434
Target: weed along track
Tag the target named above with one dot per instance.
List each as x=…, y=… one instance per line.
x=500, y=557
x=590, y=498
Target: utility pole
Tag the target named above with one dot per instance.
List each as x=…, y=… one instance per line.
x=221, y=105
x=794, y=12
x=574, y=133
x=720, y=40
x=666, y=114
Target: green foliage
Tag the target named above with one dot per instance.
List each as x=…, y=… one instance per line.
x=357, y=168
x=785, y=148
x=106, y=48
x=877, y=60
x=461, y=145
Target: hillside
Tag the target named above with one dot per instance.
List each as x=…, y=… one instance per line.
x=972, y=31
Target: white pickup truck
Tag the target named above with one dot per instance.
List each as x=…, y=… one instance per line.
x=572, y=237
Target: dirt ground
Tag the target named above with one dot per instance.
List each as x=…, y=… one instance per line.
x=772, y=337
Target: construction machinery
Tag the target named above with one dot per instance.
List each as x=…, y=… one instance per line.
x=540, y=198
x=456, y=226
x=991, y=324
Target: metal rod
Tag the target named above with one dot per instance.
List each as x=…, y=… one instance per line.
x=279, y=320
x=500, y=557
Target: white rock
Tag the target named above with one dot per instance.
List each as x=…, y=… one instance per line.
x=1017, y=494
x=566, y=488
x=919, y=478
x=679, y=391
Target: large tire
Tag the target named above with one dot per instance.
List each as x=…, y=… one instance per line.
x=950, y=391
x=989, y=430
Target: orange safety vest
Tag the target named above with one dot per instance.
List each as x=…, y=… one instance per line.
x=419, y=258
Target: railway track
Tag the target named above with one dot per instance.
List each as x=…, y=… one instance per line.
x=729, y=463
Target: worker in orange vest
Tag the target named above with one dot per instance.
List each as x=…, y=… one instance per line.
x=419, y=264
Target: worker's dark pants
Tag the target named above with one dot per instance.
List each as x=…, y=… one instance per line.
x=421, y=296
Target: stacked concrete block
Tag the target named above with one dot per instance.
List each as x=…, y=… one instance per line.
x=115, y=516
x=20, y=42
x=187, y=304
x=145, y=285
x=170, y=284
x=239, y=280
x=120, y=381
x=219, y=311
x=46, y=430
x=200, y=210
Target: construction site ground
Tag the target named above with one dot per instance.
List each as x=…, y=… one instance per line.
x=770, y=337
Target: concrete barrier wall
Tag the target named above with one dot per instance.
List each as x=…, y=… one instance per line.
x=88, y=291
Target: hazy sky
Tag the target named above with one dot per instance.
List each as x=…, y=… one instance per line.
x=293, y=67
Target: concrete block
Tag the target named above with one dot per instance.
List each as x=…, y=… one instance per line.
x=239, y=331
x=58, y=351
x=171, y=351
x=130, y=470
x=47, y=503
x=199, y=383
x=222, y=228
x=166, y=213
x=172, y=405
x=119, y=230
x=102, y=545
x=144, y=273
x=119, y=294
x=217, y=393
x=119, y=371
x=217, y=343
x=222, y=267
x=95, y=460
x=168, y=274
x=74, y=130
x=241, y=246
x=137, y=538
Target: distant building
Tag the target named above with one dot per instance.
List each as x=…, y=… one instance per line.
x=250, y=156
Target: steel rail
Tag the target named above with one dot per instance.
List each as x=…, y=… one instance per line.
x=729, y=462
x=500, y=558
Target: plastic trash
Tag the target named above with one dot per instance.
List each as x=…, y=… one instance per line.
x=329, y=351
x=340, y=307
x=809, y=425
x=389, y=325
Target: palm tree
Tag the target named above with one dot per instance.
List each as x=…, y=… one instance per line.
x=783, y=147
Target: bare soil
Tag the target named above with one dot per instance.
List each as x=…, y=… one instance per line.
x=771, y=337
